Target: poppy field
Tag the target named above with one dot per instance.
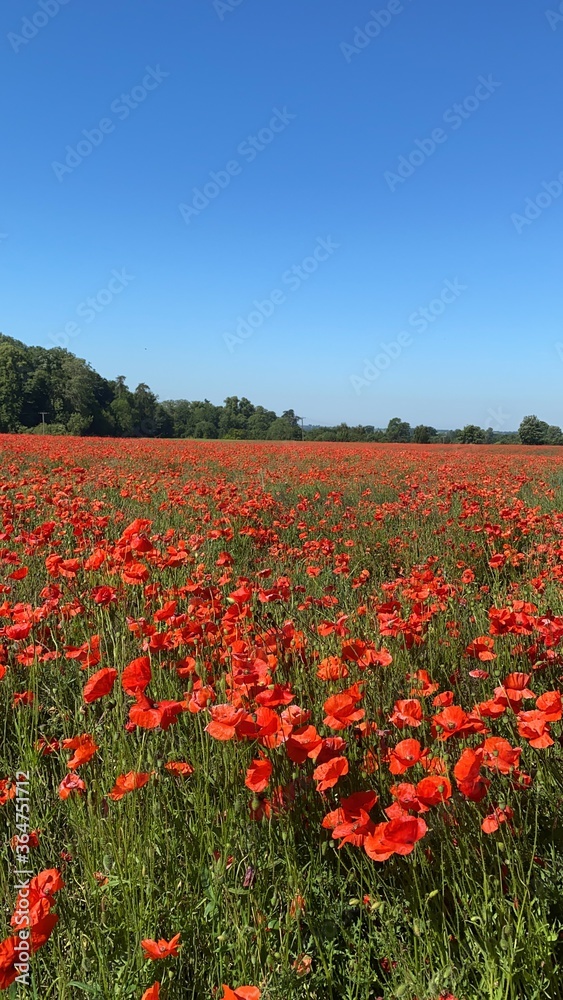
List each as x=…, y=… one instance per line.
x=280, y=721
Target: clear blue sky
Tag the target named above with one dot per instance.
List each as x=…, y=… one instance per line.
x=328, y=172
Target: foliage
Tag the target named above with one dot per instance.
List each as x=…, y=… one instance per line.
x=534, y=431
x=219, y=645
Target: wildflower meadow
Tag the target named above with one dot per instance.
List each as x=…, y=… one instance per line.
x=280, y=721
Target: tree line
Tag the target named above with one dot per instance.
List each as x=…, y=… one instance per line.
x=50, y=390
x=531, y=431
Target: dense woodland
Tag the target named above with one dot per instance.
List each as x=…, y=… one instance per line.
x=52, y=391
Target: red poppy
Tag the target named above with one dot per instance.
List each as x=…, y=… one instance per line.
x=303, y=743
x=224, y=721
x=241, y=993
x=70, y=784
x=499, y=756
x=129, y=782
x=433, y=790
x=453, y=721
x=84, y=749
x=332, y=669
x=492, y=822
x=153, y=992
x=482, y=648
x=405, y=754
x=351, y=822
x=328, y=774
x=161, y=948
x=341, y=711
x=550, y=704
x=422, y=684
x=137, y=675
x=534, y=727
x=398, y=836
x=467, y=773
x=180, y=767
x=258, y=775
x=100, y=684
x=514, y=690
x=406, y=713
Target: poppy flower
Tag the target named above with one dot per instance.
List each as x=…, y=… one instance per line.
x=129, y=782
x=482, y=648
x=224, y=721
x=70, y=784
x=514, y=690
x=99, y=685
x=23, y=698
x=328, y=774
x=443, y=700
x=153, y=992
x=499, y=756
x=331, y=746
x=258, y=775
x=467, y=773
x=433, y=790
x=241, y=993
x=137, y=675
x=161, y=948
x=341, y=712
x=550, y=704
x=398, y=836
x=179, y=767
x=406, y=713
x=8, y=959
x=422, y=685
x=135, y=573
x=405, y=754
x=534, y=727
x=351, y=822
x=332, y=669
x=453, y=721
x=84, y=749
x=7, y=790
x=303, y=743
x=492, y=822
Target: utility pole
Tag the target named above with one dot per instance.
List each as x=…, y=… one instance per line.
x=43, y=415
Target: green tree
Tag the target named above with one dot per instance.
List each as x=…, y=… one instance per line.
x=472, y=434
x=533, y=431
x=553, y=435
x=259, y=423
x=423, y=434
x=398, y=431
x=14, y=371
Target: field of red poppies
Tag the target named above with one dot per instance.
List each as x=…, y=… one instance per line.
x=280, y=721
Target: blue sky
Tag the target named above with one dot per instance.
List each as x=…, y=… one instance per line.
x=307, y=113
